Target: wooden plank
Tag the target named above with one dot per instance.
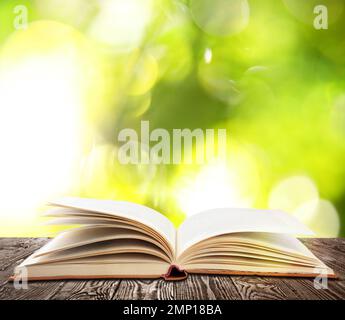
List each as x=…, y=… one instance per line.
x=261, y=288
x=207, y=288
x=12, y=252
x=87, y=290
x=145, y=290
x=332, y=251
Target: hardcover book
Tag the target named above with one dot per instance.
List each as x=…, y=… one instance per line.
x=114, y=239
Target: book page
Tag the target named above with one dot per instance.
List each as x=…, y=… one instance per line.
x=123, y=209
x=216, y=222
x=80, y=237
x=105, y=248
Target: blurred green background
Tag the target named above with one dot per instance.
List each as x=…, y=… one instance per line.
x=83, y=70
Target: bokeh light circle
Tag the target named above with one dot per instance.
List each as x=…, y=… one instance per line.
x=121, y=24
x=220, y=17
x=320, y=216
x=292, y=192
x=76, y=12
x=144, y=74
x=219, y=84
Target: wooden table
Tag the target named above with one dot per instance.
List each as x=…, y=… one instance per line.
x=331, y=251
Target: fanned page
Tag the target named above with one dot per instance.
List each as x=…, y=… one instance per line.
x=248, y=242
x=114, y=239
x=220, y=221
x=127, y=210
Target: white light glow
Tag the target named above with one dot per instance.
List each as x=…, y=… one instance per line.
x=218, y=185
x=208, y=55
x=122, y=23
x=292, y=192
x=39, y=138
x=320, y=216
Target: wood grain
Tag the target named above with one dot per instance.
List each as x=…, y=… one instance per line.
x=331, y=251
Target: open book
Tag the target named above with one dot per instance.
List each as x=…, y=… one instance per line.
x=126, y=240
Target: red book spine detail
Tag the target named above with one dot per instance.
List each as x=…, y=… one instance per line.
x=175, y=273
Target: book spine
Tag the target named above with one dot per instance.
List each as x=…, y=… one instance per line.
x=175, y=273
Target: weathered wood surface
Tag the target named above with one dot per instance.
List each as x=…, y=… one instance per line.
x=331, y=251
